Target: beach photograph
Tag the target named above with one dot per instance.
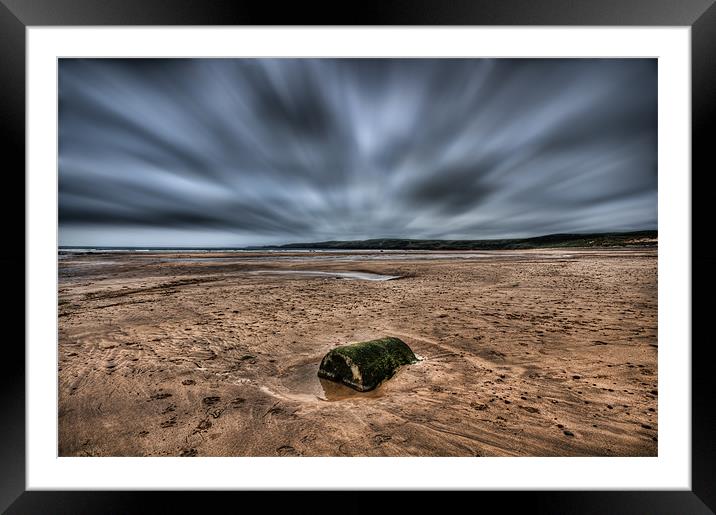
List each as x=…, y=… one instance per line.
x=318, y=257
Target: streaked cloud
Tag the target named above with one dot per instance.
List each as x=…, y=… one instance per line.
x=256, y=151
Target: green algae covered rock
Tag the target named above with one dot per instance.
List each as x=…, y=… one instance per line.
x=364, y=365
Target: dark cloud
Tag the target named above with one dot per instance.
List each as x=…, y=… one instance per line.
x=253, y=151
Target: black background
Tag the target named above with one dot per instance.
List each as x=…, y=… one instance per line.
x=16, y=15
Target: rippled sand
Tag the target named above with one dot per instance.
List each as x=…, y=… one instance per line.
x=530, y=353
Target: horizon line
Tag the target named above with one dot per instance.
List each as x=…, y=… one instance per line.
x=236, y=247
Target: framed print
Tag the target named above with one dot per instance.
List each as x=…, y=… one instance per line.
x=438, y=249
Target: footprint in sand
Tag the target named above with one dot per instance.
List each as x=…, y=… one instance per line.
x=204, y=425
x=188, y=453
x=210, y=401
x=287, y=450
x=215, y=412
x=169, y=423
x=379, y=439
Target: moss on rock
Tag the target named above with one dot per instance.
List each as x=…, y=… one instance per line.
x=364, y=365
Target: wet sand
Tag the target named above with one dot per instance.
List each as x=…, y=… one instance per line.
x=524, y=353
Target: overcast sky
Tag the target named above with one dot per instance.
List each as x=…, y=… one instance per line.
x=234, y=152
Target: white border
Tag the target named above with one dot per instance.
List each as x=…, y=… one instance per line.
x=671, y=470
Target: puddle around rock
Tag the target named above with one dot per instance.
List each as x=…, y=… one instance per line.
x=302, y=382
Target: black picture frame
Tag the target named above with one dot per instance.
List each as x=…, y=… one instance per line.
x=17, y=15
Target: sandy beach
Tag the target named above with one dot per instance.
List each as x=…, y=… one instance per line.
x=523, y=353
